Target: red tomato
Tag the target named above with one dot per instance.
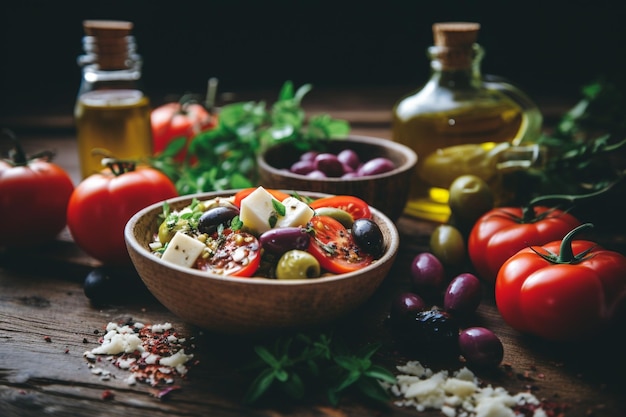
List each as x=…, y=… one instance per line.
x=224, y=263
x=333, y=247
x=500, y=233
x=358, y=208
x=102, y=204
x=563, y=291
x=175, y=120
x=240, y=195
x=33, y=199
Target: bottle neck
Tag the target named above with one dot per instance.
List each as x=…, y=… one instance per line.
x=456, y=67
x=110, y=64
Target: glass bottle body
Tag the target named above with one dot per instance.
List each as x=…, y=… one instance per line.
x=112, y=114
x=457, y=109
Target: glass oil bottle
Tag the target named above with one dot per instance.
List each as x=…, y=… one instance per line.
x=459, y=113
x=112, y=113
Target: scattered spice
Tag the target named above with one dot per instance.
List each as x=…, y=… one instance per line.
x=153, y=354
x=107, y=395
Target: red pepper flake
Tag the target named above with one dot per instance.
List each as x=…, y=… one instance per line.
x=47, y=339
x=165, y=391
x=157, y=342
x=67, y=351
x=108, y=395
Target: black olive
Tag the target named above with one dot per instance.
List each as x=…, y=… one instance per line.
x=212, y=218
x=368, y=236
x=107, y=285
x=101, y=285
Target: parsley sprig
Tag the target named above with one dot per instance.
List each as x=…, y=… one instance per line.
x=226, y=157
x=296, y=365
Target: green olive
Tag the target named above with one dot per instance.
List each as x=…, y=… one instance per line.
x=165, y=234
x=338, y=214
x=448, y=245
x=470, y=198
x=297, y=264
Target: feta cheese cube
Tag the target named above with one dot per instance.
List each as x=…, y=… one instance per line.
x=297, y=213
x=183, y=250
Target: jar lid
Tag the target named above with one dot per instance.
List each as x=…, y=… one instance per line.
x=110, y=42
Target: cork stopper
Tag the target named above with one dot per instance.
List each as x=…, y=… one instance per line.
x=454, y=42
x=455, y=34
x=110, y=42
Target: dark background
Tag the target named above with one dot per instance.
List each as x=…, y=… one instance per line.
x=548, y=48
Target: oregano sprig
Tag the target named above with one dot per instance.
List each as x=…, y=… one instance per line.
x=295, y=365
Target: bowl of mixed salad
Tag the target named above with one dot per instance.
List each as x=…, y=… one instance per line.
x=258, y=259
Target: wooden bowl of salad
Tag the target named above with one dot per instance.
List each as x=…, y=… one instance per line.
x=244, y=271
x=376, y=170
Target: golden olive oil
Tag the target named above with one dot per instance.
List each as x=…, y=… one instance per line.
x=116, y=121
x=428, y=133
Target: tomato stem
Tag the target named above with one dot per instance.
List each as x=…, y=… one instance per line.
x=566, y=253
x=119, y=166
x=18, y=156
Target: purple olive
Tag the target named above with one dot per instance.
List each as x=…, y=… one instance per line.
x=427, y=273
x=316, y=174
x=376, y=166
x=349, y=157
x=463, y=294
x=278, y=241
x=309, y=156
x=302, y=167
x=329, y=165
x=481, y=347
x=403, y=305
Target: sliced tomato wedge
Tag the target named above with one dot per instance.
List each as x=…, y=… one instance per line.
x=241, y=194
x=333, y=247
x=238, y=254
x=358, y=208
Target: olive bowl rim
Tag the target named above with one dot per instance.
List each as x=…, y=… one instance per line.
x=399, y=148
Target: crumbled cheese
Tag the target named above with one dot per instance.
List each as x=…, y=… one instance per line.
x=154, y=354
x=456, y=395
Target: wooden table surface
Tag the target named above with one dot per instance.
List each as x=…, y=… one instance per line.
x=47, y=323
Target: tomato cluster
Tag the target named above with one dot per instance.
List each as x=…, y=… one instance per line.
x=546, y=283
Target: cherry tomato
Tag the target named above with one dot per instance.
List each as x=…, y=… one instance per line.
x=240, y=195
x=332, y=245
x=176, y=120
x=563, y=290
x=33, y=199
x=357, y=208
x=500, y=233
x=102, y=203
x=238, y=255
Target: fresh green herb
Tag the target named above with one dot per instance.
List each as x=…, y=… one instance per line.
x=273, y=219
x=279, y=207
x=581, y=152
x=226, y=157
x=236, y=223
x=295, y=365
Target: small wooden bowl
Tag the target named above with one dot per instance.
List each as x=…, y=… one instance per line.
x=250, y=305
x=387, y=192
